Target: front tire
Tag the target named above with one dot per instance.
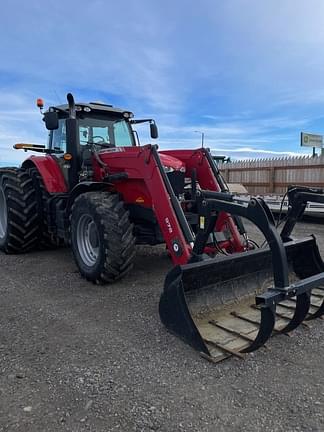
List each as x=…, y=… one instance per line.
x=18, y=212
x=102, y=239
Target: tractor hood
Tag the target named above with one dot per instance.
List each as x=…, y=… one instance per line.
x=171, y=163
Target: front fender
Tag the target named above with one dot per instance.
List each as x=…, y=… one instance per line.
x=85, y=187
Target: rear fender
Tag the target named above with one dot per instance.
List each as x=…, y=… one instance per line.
x=50, y=172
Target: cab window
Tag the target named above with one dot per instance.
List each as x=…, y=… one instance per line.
x=109, y=132
x=121, y=134
x=58, y=141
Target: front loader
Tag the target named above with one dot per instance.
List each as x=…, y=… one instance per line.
x=95, y=188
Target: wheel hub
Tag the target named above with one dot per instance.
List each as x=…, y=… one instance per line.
x=88, y=240
x=93, y=235
x=3, y=214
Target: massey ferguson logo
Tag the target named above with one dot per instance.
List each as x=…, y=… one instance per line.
x=168, y=224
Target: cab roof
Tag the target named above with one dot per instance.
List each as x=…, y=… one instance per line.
x=95, y=107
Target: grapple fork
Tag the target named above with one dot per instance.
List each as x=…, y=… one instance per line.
x=246, y=294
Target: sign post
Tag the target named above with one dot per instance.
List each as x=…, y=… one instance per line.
x=311, y=140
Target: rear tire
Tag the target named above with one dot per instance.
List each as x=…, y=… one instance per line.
x=18, y=212
x=102, y=239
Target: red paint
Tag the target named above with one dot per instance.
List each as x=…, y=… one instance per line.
x=170, y=161
x=196, y=159
x=144, y=180
x=145, y=187
x=51, y=173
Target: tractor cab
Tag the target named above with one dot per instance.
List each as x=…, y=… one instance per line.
x=77, y=131
x=96, y=124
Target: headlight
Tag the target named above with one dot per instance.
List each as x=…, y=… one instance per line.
x=168, y=169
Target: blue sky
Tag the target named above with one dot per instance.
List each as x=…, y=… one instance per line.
x=248, y=73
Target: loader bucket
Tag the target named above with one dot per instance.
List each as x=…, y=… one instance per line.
x=229, y=305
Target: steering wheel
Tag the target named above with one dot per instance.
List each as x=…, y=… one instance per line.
x=102, y=142
x=101, y=139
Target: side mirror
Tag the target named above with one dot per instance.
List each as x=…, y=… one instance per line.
x=51, y=120
x=154, y=130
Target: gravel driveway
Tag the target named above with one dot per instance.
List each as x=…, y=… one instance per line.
x=80, y=357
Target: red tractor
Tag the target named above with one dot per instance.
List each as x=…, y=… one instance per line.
x=98, y=190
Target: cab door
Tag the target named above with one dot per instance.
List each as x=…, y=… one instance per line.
x=57, y=142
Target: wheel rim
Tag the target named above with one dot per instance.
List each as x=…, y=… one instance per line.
x=3, y=214
x=88, y=240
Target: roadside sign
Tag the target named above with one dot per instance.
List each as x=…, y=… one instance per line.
x=311, y=140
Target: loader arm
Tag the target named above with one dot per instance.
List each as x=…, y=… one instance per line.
x=201, y=163
x=145, y=171
x=146, y=175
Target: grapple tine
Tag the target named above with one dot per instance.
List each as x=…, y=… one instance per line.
x=301, y=311
x=317, y=314
x=268, y=318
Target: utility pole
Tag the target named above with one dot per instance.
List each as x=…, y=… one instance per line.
x=202, y=137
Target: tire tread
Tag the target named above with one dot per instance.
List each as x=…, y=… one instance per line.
x=118, y=238
x=22, y=211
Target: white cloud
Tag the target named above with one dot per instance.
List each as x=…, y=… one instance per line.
x=250, y=152
x=20, y=121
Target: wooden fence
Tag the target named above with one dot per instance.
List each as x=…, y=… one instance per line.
x=273, y=176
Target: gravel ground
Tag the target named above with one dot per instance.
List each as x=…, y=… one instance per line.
x=79, y=357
